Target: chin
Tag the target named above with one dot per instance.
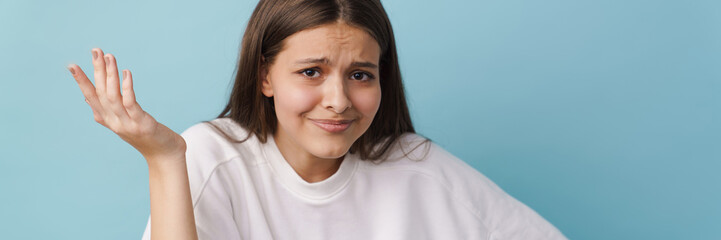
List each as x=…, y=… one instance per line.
x=330, y=151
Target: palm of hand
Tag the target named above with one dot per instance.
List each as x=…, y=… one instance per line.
x=121, y=113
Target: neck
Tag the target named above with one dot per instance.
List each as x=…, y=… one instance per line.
x=309, y=167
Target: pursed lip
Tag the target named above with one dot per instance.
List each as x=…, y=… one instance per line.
x=332, y=121
x=333, y=125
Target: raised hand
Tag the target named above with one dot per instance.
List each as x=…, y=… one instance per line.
x=122, y=114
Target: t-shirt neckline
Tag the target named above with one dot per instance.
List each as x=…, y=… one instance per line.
x=313, y=191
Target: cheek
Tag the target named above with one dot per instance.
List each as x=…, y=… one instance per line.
x=367, y=101
x=291, y=102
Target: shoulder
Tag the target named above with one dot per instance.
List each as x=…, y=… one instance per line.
x=416, y=154
x=508, y=217
x=225, y=128
x=463, y=183
x=218, y=139
x=413, y=152
x=212, y=145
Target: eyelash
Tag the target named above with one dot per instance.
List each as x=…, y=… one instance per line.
x=368, y=75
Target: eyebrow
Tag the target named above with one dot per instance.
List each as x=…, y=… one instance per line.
x=326, y=61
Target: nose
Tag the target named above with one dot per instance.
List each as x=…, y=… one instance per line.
x=336, y=95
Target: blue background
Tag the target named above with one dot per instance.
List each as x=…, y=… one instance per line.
x=603, y=116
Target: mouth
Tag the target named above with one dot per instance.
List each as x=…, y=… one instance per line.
x=332, y=125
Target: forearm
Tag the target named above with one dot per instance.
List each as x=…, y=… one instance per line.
x=171, y=207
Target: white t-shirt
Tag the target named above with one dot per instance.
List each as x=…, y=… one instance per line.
x=248, y=191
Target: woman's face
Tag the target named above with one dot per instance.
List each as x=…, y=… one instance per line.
x=326, y=89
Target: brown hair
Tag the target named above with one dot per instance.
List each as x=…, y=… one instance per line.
x=273, y=21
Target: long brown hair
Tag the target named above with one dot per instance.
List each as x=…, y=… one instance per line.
x=273, y=21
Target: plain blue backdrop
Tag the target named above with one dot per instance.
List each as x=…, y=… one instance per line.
x=603, y=116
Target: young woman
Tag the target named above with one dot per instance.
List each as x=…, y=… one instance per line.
x=315, y=143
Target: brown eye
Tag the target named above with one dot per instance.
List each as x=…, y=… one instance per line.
x=311, y=73
x=361, y=76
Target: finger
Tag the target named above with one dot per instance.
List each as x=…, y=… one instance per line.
x=86, y=87
x=129, y=102
x=99, y=66
x=113, y=88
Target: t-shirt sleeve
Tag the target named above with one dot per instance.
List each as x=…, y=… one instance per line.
x=510, y=219
x=211, y=204
x=213, y=215
x=515, y=220
x=505, y=217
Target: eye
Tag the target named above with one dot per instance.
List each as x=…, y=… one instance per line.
x=311, y=73
x=362, y=76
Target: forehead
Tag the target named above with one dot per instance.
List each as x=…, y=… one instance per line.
x=335, y=41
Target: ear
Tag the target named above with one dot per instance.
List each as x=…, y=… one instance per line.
x=266, y=87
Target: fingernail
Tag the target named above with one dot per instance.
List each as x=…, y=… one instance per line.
x=95, y=55
x=107, y=61
x=72, y=71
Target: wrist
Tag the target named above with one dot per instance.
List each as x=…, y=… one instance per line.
x=166, y=161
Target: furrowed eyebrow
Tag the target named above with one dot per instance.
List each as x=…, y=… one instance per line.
x=326, y=61
x=364, y=64
x=313, y=60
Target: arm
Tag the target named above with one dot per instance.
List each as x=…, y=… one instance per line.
x=164, y=150
x=171, y=208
